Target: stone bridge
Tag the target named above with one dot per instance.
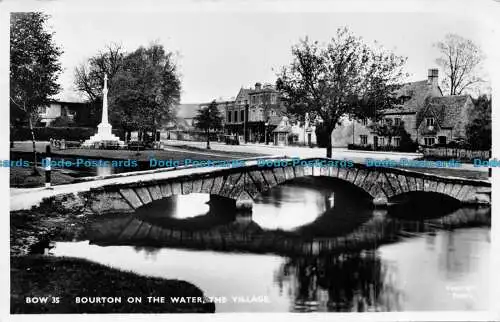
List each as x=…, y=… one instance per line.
x=242, y=184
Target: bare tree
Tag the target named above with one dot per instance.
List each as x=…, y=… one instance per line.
x=89, y=76
x=460, y=61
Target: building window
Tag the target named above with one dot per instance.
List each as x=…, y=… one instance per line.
x=381, y=141
x=429, y=121
x=242, y=116
x=364, y=139
x=442, y=139
x=235, y=117
x=42, y=109
x=229, y=117
x=397, y=121
x=364, y=122
x=429, y=141
x=397, y=141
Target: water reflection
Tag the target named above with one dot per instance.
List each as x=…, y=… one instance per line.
x=377, y=280
x=340, y=255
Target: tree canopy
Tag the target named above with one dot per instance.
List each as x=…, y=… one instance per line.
x=89, y=76
x=343, y=77
x=144, y=85
x=478, y=130
x=208, y=118
x=34, y=62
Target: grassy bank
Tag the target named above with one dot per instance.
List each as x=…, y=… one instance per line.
x=68, y=278
x=24, y=178
x=31, y=231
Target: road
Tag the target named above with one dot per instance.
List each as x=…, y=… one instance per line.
x=306, y=152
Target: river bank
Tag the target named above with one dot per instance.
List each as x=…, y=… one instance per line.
x=33, y=274
x=67, y=278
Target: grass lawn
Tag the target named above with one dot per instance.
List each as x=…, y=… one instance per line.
x=195, y=154
x=467, y=174
x=67, y=278
x=24, y=178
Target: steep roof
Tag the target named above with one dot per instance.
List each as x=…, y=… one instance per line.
x=275, y=119
x=243, y=94
x=416, y=93
x=447, y=109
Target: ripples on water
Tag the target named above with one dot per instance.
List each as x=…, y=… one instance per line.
x=431, y=264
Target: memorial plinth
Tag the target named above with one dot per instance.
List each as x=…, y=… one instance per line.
x=104, y=136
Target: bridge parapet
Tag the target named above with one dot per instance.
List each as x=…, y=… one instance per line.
x=245, y=183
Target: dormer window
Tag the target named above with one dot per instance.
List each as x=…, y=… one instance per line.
x=429, y=121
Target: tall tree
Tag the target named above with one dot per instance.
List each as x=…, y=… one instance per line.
x=208, y=118
x=460, y=60
x=144, y=85
x=146, y=89
x=478, y=130
x=34, y=65
x=343, y=77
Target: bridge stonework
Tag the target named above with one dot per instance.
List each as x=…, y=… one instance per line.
x=243, y=184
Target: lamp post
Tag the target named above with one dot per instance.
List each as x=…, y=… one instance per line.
x=265, y=131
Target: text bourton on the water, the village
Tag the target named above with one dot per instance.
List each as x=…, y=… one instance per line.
x=246, y=162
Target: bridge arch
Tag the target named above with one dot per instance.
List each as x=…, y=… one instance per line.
x=244, y=184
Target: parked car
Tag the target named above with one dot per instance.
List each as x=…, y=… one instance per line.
x=231, y=140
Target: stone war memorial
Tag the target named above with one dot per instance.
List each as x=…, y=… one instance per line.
x=104, y=137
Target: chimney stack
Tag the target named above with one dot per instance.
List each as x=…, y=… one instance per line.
x=258, y=86
x=433, y=77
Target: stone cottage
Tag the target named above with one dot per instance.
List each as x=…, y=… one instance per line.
x=427, y=116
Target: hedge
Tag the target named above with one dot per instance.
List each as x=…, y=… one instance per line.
x=58, y=133
x=388, y=148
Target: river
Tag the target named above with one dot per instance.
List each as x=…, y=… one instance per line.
x=443, y=268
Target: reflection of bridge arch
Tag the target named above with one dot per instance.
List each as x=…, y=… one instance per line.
x=246, y=235
x=244, y=183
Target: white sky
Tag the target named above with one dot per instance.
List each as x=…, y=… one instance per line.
x=222, y=50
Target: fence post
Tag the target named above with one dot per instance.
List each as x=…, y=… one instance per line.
x=47, y=167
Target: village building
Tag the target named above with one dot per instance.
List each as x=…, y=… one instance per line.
x=75, y=112
x=426, y=115
x=265, y=113
x=444, y=119
x=255, y=114
x=182, y=127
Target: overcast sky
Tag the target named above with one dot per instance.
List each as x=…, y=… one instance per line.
x=218, y=52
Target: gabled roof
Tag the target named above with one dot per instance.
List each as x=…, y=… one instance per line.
x=416, y=92
x=243, y=93
x=275, y=119
x=448, y=110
